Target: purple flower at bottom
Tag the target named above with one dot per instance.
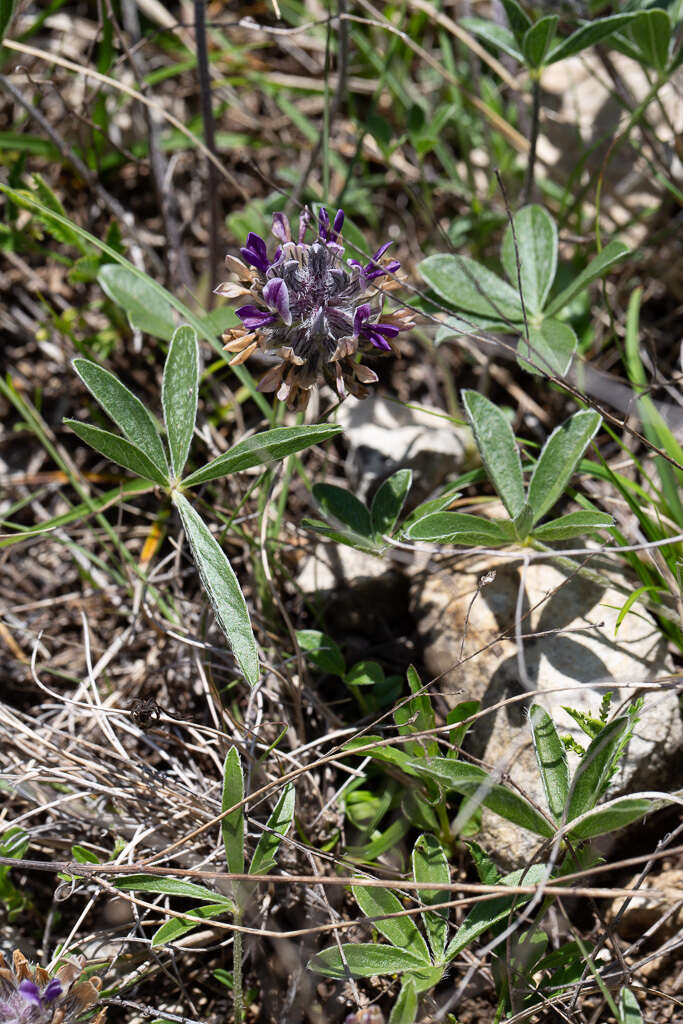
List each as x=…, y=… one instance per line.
x=253, y=317
x=376, y=333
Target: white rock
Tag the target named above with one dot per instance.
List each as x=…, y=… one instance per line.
x=384, y=436
x=572, y=657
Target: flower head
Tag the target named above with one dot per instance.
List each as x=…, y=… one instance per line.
x=317, y=311
x=30, y=996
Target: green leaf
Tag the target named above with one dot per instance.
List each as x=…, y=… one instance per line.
x=497, y=35
x=171, y=887
x=125, y=409
x=519, y=20
x=268, y=446
x=389, y=500
x=467, y=285
x=587, y=35
x=345, y=507
x=551, y=758
x=179, y=393
x=363, y=959
x=651, y=31
x=551, y=347
x=593, y=772
x=279, y=824
x=498, y=449
x=458, y=528
x=616, y=814
x=466, y=709
x=574, y=524
x=475, y=783
x=536, y=234
x=559, y=458
x=84, y=856
x=322, y=650
x=178, y=926
x=222, y=587
x=352, y=540
x=486, y=868
x=401, y=932
x=522, y=522
x=613, y=253
x=537, y=40
x=147, y=310
x=489, y=913
x=365, y=673
x=120, y=451
x=430, y=864
x=628, y=1004
x=7, y=9
x=232, y=826
x=404, y=1010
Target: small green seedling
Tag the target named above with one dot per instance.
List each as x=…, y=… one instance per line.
x=525, y=507
x=366, y=680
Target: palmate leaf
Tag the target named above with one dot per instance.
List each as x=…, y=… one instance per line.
x=125, y=409
x=118, y=450
x=179, y=394
x=220, y=583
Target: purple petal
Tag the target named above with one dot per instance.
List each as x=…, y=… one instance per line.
x=255, y=252
x=52, y=990
x=275, y=294
x=253, y=318
x=304, y=221
x=323, y=223
x=338, y=222
x=361, y=316
x=281, y=228
x=30, y=992
x=391, y=267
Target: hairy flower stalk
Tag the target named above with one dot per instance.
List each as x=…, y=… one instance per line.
x=316, y=311
x=30, y=996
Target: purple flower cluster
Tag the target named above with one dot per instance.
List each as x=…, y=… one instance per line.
x=318, y=312
x=30, y=996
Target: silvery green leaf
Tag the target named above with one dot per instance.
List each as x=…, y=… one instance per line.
x=179, y=393
x=220, y=583
x=279, y=824
x=559, y=458
x=536, y=234
x=120, y=451
x=363, y=960
x=430, y=864
x=147, y=309
x=498, y=449
x=613, y=252
x=469, y=286
x=551, y=758
x=125, y=409
x=400, y=931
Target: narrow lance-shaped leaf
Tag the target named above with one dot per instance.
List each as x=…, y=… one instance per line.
x=587, y=35
x=179, y=393
x=551, y=758
x=618, y=813
x=169, y=886
x=651, y=31
x=277, y=827
x=519, y=20
x=222, y=587
x=120, y=451
x=232, y=826
x=469, y=286
x=498, y=449
x=125, y=409
x=498, y=35
x=404, y=1010
x=400, y=931
x=537, y=40
x=363, y=960
x=179, y=926
x=559, y=458
x=628, y=1008
x=458, y=528
x=592, y=774
x=389, y=500
x=613, y=252
x=147, y=310
x=574, y=524
x=431, y=865
x=536, y=234
x=262, y=448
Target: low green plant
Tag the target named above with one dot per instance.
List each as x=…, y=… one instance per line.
x=366, y=680
x=211, y=904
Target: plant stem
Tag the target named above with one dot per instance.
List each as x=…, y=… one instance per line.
x=237, y=973
x=209, y=138
x=535, y=114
